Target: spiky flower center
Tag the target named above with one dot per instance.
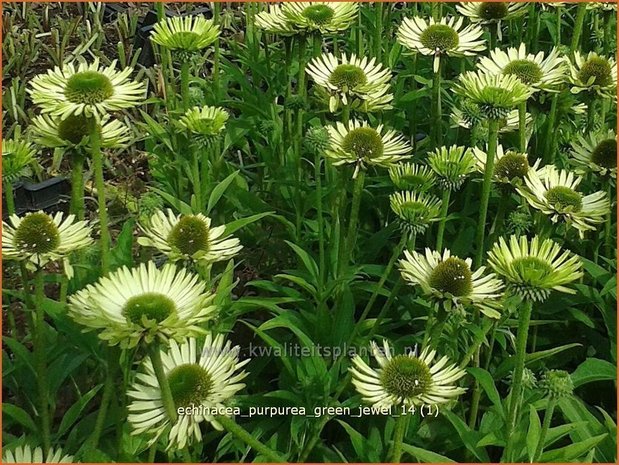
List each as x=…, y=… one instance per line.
x=89, y=87
x=406, y=377
x=151, y=305
x=439, y=37
x=493, y=10
x=532, y=270
x=75, y=127
x=413, y=181
x=527, y=71
x=597, y=68
x=348, y=77
x=412, y=211
x=364, y=143
x=189, y=235
x=190, y=385
x=512, y=165
x=319, y=14
x=37, y=234
x=562, y=198
x=605, y=154
x=558, y=383
x=452, y=275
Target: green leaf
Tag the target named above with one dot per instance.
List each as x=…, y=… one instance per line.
x=535, y=427
x=573, y=451
x=241, y=223
x=178, y=204
x=219, y=190
x=487, y=383
x=508, y=365
x=75, y=410
x=122, y=253
x=594, y=369
x=19, y=415
x=310, y=264
x=425, y=456
x=469, y=437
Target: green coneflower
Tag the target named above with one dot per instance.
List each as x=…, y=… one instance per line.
x=361, y=83
x=606, y=6
x=557, y=383
x=597, y=153
x=452, y=165
x=510, y=166
x=438, y=38
x=593, y=73
x=533, y=70
x=38, y=238
x=491, y=12
x=554, y=192
x=205, y=123
x=360, y=145
x=320, y=16
x=85, y=89
x=415, y=211
x=75, y=130
x=201, y=380
x=534, y=269
x=17, y=156
x=144, y=304
x=185, y=36
x=450, y=280
x=468, y=115
x=412, y=177
x=411, y=379
x=496, y=94
x=26, y=454
x=188, y=237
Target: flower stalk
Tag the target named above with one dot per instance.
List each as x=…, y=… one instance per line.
x=241, y=433
x=40, y=351
x=550, y=408
x=97, y=158
x=524, y=321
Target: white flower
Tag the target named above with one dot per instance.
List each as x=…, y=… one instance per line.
x=533, y=70
x=408, y=379
x=183, y=237
x=26, y=454
x=200, y=382
x=38, y=238
x=597, y=153
x=553, y=192
x=444, y=37
x=144, y=303
x=450, y=280
x=361, y=83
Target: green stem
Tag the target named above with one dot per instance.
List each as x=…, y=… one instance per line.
x=319, y=213
x=236, y=430
x=578, y=23
x=9, y=196
x=40, y=350
x=351, y=236
x=154, y=352
x=493, y=135
x=97, y=159
x=398, y=438
x=549, y=154
x=378, y=31
x=550, y=408
x=77, y=185
x=441, y=225
x=524, y=321
x=436, y=105
x=216, y=55
x=185, y=84
x=197, y=186
x=591, y=109
x=522, y=126
x=559, y=24
x=608, y=242
x=383, y=279
x=113, y=363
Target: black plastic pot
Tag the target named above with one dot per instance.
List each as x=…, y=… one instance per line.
x=49, y=195
x=112, y=10
x=142, y=38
